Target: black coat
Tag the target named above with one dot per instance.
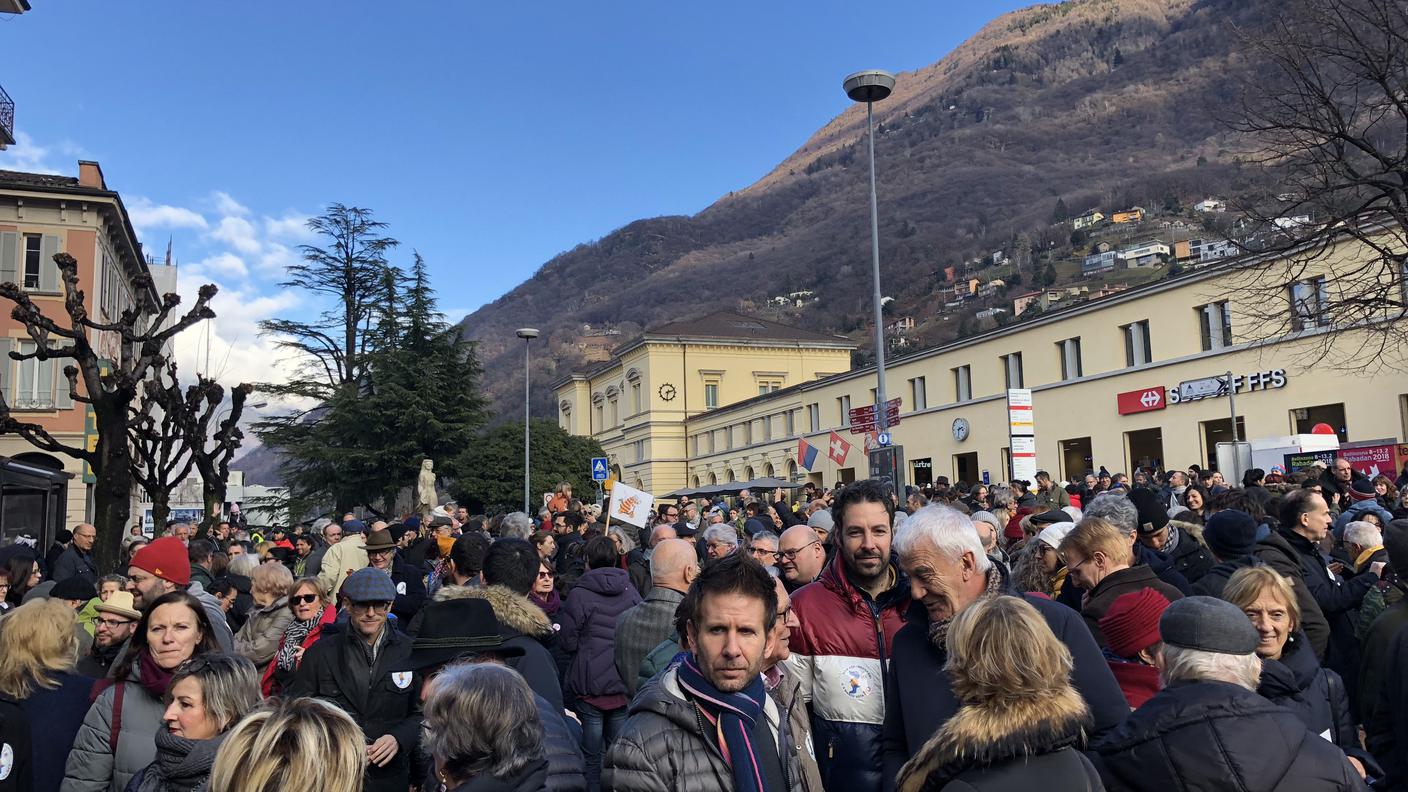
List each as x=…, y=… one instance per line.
x=919, y=697
x=1190, y=557
x=410, y=590
x=532, y=778
x=381, y=699
x=1387, y=729
x=15, y=735
x=1212, y=584
x=1316, y=695
x=1214, y=736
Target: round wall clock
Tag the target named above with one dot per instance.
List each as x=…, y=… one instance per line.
x=960, y=429
x=667, y=392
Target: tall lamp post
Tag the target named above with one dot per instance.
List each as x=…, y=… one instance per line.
x=871, y=86
x=527, y=334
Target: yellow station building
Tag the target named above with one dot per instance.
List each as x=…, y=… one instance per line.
x=727, y=397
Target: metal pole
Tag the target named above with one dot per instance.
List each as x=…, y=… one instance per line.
x=881, y=414
x=527, y=368
x=1236, y=452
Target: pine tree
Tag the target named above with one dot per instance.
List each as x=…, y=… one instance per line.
x=1060, y=213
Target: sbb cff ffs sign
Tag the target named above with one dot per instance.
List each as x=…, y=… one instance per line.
x=1144, y=400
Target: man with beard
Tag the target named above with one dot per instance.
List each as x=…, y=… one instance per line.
x=117, y=619
x=666, y=744
x=848, y=618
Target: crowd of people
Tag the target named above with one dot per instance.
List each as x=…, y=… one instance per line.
x=1167, y=630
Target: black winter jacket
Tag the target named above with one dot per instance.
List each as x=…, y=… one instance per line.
x=381, y=699
x=1191, y=558
x=919, y=696
x=1215, y=736
x=1212, y=584
x=1315, y=694
x=410, y=590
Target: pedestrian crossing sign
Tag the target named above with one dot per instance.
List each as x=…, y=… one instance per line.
x=599, y=469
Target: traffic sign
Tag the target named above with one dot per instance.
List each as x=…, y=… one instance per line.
x=884, y=439
x=863, y=418
x=599, y=469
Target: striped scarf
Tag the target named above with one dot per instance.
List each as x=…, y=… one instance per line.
x=732, y=715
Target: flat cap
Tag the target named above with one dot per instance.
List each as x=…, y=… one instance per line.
x=370, y=584
x=1208, y=624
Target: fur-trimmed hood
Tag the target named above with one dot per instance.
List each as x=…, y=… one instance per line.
x=980, y=736
x=513, y=610
x=1193, y=530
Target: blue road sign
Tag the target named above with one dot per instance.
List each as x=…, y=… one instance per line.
x=883, y=439
x=987, y=479
x=599, y=469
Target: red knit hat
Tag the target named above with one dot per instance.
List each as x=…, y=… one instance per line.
x=167, y=559
x=1132, y=622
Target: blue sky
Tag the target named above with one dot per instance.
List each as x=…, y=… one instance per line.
x=490, y=136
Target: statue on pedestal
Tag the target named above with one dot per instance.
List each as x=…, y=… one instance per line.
x=425, y=489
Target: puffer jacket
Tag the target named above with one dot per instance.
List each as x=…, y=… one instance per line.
x=1357, y=510
x=263, y=632
x=840, y=654
x=661, y=747
x=566, y=770
x=785, y=692
x=1191, y=557
x=588, y=630
x=1030, y=744
x=1212, y=736
x=1212, y=584
x=92, y=764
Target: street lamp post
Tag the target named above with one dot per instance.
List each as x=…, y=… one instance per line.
x=527, y=334
x=870, y=87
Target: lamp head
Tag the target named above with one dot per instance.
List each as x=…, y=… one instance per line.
x=870, y=85
x=527, y=333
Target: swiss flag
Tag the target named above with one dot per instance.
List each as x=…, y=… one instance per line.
x=838, y=449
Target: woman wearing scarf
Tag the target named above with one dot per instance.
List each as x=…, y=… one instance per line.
x=544, y=593
x=208, y=695
x=311, y=612
x=117, y=738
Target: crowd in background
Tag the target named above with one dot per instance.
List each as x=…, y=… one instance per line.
x=1159, y=630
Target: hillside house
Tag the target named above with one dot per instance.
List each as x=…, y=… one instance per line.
x=1210, y=205
x=900, y=326
x=1145, y=254
x=1134, y=214
x=1107, y=290
x=989, y=313
x=1096, y=263
x=1213, y=249
x=1087, y=220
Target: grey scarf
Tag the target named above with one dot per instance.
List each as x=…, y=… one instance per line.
x=181, y=765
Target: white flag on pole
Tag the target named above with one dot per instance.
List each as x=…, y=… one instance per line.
x=630, y=505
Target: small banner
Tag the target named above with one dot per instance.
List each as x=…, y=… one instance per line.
x=630, y=505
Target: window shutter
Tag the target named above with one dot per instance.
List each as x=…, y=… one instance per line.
x=48, y=270
x=62, y=399
x=7, y=367
x=44, y=390
x=9, y=257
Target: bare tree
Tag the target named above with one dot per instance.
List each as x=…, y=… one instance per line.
x=161, y=458
x=212, y=451
x=108, y=390
x=1327, y=118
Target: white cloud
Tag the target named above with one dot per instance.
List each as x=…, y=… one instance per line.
x=292, y=226
x=147, y=216
x=28, y=156
x=239, y=233
x=225, y=205
x=226, y=264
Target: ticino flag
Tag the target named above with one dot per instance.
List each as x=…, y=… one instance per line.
x=630, y=505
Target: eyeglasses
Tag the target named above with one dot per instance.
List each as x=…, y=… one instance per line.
x=761, y=554
x=719, y=545
x=370, y=607
x=546, y=576
x=304, y=599
x=111, y=624
x=791, y=555
x=383, y=551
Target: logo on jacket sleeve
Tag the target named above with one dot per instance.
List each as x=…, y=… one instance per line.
x=857, y=682
x=402, y=679
x=7, y=761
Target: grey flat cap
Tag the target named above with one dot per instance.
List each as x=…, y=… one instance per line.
x=1208, y=624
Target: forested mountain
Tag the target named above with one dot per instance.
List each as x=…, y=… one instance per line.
x=1045, y=113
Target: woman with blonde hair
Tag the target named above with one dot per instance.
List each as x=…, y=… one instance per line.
x=1291, y=674
x=263, y=628
x=207, y=696
x=1020, y=723
x=309, y=612
x=39, y=648
x=295, y=744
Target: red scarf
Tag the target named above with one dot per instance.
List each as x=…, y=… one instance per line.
x=152, y=677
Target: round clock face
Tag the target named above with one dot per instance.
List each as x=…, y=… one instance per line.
x=960, y=429
x=667, y=392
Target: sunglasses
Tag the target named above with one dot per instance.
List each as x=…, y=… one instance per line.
x=546, y=576
x=371, y=607
x=304, y=599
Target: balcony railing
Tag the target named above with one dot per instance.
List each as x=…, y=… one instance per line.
x=7, y=119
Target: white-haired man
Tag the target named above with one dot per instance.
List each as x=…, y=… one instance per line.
x=1365, y=543
x=1208, y=727
x=940, y=552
